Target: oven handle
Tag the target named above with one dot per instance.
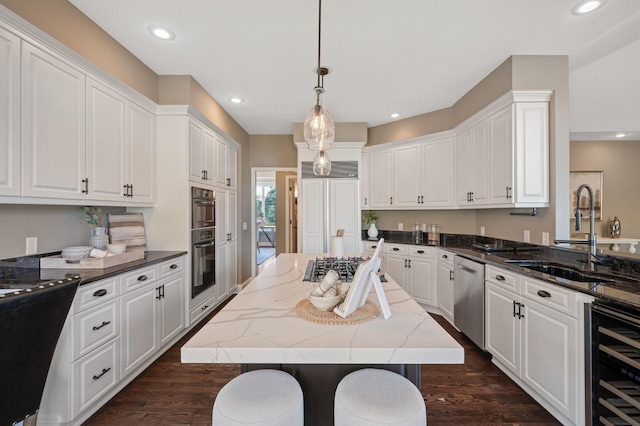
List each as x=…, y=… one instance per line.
x=204, y=203
x=203, y=245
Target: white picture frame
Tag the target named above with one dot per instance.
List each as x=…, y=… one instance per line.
x=365, y=277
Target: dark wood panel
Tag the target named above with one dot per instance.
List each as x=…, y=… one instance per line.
x=476, y=392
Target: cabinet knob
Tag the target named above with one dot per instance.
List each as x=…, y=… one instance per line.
x=444, y=256
x=420, y=251
x=104, y=324
x=396, y=249
x=174, y=266
x=142, y=278
x=100, y=293
x=500, y=278
x=544, y=293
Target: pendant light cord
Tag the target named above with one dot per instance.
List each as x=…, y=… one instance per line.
x=319, y=37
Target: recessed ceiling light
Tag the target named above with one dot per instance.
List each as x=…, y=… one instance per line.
x=620, y=135
x=162, y=33
x=236, y=100
x=586, y=6
x=394, y=115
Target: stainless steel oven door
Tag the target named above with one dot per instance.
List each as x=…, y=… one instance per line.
x=203, y=208
x=203, y=258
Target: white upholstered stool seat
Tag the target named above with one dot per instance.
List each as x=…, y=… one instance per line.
x=378, y=397
x=260, y=397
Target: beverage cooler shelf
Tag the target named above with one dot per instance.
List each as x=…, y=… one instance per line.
x=624, y=335
x=624, y=353
x=624, y=411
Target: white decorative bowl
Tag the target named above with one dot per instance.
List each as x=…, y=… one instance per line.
x=117, y=248
x=76, y=252
x=325, y=303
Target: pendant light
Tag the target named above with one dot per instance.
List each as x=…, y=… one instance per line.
x=319, y=128
x=321, y=164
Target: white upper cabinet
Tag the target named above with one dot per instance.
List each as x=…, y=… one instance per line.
x=226, y=168
x=9, y=113
x=53, y=126
x=364, y=181
x=140, y=156
x=519, y=158
x=438, y=166
x=471, y=162
x=106, y=150
x=407, y=182
x=381, y=178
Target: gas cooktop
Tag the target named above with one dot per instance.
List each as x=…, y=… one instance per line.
x=345, y=267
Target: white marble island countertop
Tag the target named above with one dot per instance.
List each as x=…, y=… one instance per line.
x=260, y=326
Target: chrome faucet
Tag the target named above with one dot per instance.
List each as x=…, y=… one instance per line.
x=592, y=255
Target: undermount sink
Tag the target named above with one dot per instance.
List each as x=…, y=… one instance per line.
x=568, y=273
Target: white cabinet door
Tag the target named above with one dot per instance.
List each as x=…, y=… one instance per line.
x=381, y=178
x=208, y=155
x=222, y=228
x=171, y=308
x=313, y=224
x=502, y=328
x=344, y=213
x=438, y=168
x=408, y=178
x=222, y=281
x=232, y=266
x=480, y=149
x=53, y=126
x=364, y=181
x=532, y=154
x=396, y=268
x=140, y=153
x=9, y=113
x=463, y=168
x=423, y=280
x=445, y=288
x=501, y=157
x=106, y=143
x=549, y=356
x=221, y=162
x=232, y=167
x=232, y=215
x=139, y=327
x=197, y=155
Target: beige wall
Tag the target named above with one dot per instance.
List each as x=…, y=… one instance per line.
x=64, y=22
x=272, y=151
x=618, y=160
x=345, y=132
x=423, y=124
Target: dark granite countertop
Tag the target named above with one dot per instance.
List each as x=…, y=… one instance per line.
x=624, y=292
x=87, y=276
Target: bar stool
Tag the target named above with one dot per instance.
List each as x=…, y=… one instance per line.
x=381, y=397
x=264, y=397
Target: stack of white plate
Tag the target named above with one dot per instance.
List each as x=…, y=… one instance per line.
x=76, y=252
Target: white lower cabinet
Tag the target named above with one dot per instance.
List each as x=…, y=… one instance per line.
x=115, y=328
x=534, y=330
x=445, y=284
x=414, y=268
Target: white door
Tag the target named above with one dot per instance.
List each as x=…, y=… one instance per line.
x=171, y=309
x=106, y=143
x=479, y=163
x=221, y=162
x=53, y=126
x=232, y=166
x=9, y=114
x=381, y=178
x=445, y=289
x=502, y=328
x=313, y=225
x=463, y=169
x=364, y=181
x=222, y=224
x=438, y=167
x=423, y=277
x=344, y=213
x=139, y=327
x=501, y=157
x=232, y=266
x=549, y=352
x=396, y=267
x=197, y=154
x=208, y=152
x=407, y=183
x=222, y=278
x=141, y=153
x=232, y=215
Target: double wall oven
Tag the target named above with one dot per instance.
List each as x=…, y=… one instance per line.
x=203, y=234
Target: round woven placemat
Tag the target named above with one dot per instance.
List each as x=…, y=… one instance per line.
x=308, y=312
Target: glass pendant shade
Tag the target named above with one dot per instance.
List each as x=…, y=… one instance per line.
x=321, y=164
x=319, y=129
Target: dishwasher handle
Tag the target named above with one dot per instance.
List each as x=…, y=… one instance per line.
x=467, y=269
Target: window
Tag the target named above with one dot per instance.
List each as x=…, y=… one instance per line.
x=266, y=203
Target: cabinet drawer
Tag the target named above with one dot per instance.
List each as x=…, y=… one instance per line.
x=199, y=311
x=552, y=296
x=94, y=294
x=370, y=246
x=446, y=257
x=94, y=375
x=422, y=251
x=172, y=266
x=395, y=249
x=94, y=327
x=138, y=278
x=502, y=278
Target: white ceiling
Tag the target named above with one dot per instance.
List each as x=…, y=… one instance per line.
x=406, y=56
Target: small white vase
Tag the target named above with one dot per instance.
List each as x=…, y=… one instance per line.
x=99, y=238
x=372, y=232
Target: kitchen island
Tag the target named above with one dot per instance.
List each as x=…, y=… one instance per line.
x=259, y=328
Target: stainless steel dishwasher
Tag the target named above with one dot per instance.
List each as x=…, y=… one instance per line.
x=468, y=293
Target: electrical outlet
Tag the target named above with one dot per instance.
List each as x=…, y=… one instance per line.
x=400, y=226
x=482, y=230
x=32, y=245
x=545, y=238
x=527, y=236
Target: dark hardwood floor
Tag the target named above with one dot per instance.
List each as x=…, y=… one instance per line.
x=171, y=393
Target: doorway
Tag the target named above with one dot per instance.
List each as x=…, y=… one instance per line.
x=274, y=214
